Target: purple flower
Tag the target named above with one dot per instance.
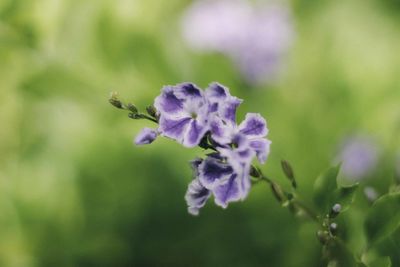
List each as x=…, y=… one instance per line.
x=359, y=156
x=254, y=128
x=221, y=179
x=196, y=196
x=224, y=174
x=222, y=103
x=239, y=156
x=146, y=136
x=183, y=111
x=370, y=193
x=255, y=37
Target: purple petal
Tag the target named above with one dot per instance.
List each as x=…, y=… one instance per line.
x=222, y=102
x=194, y=134
x=145, y=136
x=185, y=90
x=261, y=146
x=227, y=192
x=244, y=181
x=195, y=166
x=236, y=159
x=214, y=107
x=220, y=131
x=196, y=196
x=254, y=125
x=217, y=91
x=240, y=141
x=212, y=171
x=229, y=107
x=168, y=102
x=173, y=128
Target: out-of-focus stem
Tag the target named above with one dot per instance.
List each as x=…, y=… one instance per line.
x=282, y=196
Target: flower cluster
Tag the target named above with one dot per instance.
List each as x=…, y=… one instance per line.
x=194, y=117
x=256, y=37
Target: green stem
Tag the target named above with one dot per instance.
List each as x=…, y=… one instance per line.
x=282, y=196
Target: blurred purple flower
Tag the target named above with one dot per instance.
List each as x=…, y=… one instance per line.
x=255, y=37
x=359, y=156
x=370, y=193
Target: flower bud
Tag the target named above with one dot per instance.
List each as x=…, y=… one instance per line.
x=333, y=228
x=335, y=210
x=151, y=110
x=288, y=170
x=277, y=191
x=135, y=116
x=132, y=108
x=323, y=236
x=115, y=101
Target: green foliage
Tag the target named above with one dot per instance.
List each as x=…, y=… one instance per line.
x=381, y=262
x=327, y=191
x=383, y=218
x=324, y=187
x=75, y=192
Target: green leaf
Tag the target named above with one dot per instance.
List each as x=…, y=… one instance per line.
x=324, y=188
x=383, y=218
x=328, y=192
x=345, y=196
x=340, y=255
x=390, y=246
x=381, y=262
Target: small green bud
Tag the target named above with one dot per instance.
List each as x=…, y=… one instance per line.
x=135, y=116
x=277, y=191
x=323, y=237
x=151, y=110
x=288, y=170
x=115, y=101
x=132, y=108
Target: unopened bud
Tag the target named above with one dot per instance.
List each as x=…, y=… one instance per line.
x=132, y=108
x=151, y=110
x=288, y=170
x=333, y=228
x=115, y=101
x=135, y=116
x=323, y=237
x=335, y=210
x=277, y=191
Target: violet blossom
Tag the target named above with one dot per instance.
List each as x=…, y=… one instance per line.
x=359, y=156
x=256, y=37
x=189, y=115
x=183, y=111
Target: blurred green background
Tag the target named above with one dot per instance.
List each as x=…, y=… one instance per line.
x=74, y=191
